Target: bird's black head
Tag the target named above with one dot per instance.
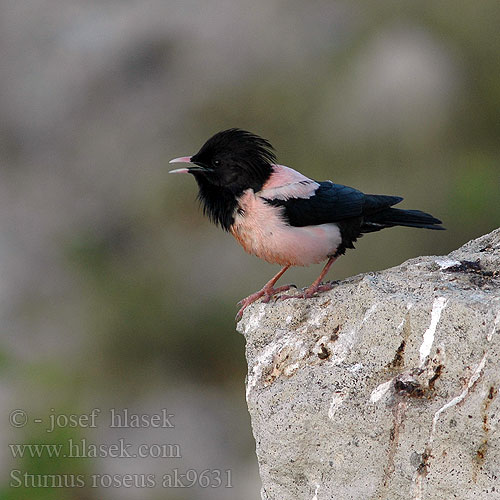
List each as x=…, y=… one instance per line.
x=227, y=164
x=235, y=159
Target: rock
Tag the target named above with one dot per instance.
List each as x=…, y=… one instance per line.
x=384, y=388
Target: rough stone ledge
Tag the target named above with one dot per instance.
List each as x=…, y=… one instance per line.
x=384, y=388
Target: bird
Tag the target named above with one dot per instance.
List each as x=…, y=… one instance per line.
x=281, y=215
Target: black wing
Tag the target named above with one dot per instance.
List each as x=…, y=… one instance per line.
x=353, y=211
x=332, y=203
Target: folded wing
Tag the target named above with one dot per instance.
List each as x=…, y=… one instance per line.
x=306, y=202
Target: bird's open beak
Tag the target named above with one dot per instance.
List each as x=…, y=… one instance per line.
x=181, y=159
x=187, y=159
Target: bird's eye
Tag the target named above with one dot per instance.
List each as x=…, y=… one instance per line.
x=216, y=163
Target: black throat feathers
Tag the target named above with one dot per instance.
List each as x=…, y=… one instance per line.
x=218, y=203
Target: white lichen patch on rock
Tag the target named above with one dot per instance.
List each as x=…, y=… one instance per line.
x=437, y=308
x=380, y=391
x=445, y=263
x=336, y=401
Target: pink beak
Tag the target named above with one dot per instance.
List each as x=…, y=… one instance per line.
x=181, y=159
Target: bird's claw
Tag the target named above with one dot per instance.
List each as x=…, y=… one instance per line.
x=267, y=293
x=310, y=292
x=286, y=296
x=326, y=287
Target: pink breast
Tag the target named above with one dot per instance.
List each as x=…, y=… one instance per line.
x=263, y=232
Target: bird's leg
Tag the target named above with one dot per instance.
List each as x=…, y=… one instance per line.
x=267, y=292
x=316, y=286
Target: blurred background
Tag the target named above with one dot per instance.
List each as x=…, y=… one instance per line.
x=115, y=292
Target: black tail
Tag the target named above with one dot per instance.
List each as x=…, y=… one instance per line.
x=391, y=217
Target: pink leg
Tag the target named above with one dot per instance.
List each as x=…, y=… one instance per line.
x=267, y=292
x=316, y=286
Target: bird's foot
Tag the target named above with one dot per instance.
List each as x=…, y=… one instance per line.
x=310, y=292
x=267, y=292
